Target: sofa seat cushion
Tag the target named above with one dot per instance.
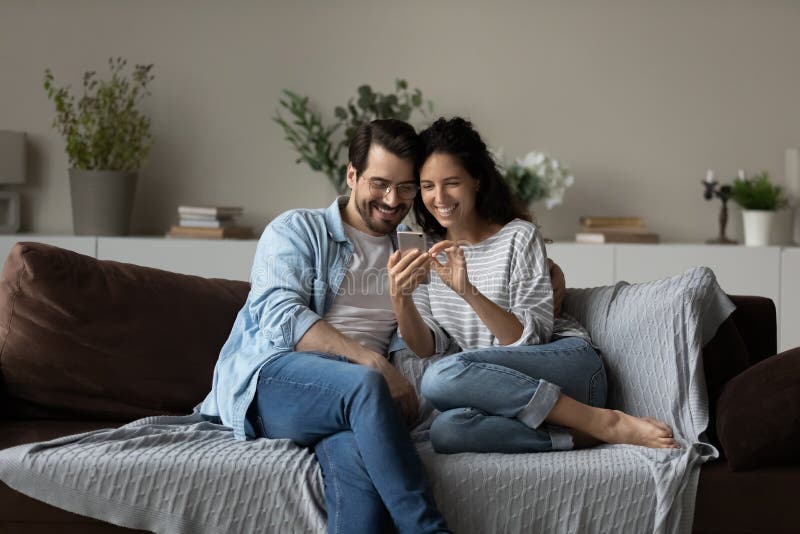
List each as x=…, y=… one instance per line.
x=758, y=414
x=82, y=338
x=749, y=502
x=20, y=513
x=18, y=432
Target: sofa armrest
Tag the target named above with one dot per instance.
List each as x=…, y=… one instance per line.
x=756, y=320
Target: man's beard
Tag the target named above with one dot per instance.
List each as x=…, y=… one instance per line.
x=376, y=225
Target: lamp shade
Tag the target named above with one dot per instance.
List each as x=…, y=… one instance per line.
x=12, y=157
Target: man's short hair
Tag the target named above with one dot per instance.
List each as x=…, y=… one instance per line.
x=394, y=135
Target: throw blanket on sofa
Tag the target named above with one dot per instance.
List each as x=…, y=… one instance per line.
x=180, y=474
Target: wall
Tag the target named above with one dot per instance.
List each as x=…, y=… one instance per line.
x=640, y=98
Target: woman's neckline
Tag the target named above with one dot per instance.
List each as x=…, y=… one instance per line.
x=490, y=237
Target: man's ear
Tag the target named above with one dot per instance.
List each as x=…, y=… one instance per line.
x=352, y=176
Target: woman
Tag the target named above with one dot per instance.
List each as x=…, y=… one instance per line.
x=525, y=382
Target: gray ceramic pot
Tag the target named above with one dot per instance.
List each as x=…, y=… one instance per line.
x=102, y=201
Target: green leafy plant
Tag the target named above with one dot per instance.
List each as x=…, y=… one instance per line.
x=536, y=177
x=758, y=193
x=103, y=129
x=324, y=147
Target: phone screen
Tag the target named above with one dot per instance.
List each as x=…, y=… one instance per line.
x=410, y=241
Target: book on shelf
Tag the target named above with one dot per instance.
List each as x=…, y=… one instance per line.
x=191, y=217
x=616, y=237
x=598, y=222
x=616, y=229
x=205, y=223
x=232, y=232
x=211, y=211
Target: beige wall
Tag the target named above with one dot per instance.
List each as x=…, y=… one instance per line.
x=639, y=97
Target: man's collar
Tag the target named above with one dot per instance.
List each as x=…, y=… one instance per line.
x=333, y=218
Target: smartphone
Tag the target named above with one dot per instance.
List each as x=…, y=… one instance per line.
x=407, y=240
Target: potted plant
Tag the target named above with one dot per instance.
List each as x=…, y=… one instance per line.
x=536, y=177
x=759, y=199
x=107, y=141
x=318, y=144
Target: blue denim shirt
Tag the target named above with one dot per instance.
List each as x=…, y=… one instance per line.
x=300, y=262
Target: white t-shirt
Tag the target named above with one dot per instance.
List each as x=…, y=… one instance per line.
x=362, y=309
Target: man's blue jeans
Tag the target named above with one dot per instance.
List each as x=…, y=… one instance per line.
x=496, y=399
x=368, y=461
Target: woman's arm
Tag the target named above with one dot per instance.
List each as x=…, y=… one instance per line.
x=504, y=325
x=529, y=319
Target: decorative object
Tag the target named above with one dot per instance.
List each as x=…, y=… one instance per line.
x=12, y=171
x=107, y=141
x=722, y=192
x=619, y=229
x=317, y=144
x=793, y=189
x=536, y=177
x=210, y=222
x=759, y=199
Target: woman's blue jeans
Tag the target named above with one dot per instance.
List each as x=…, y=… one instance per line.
x=496, y=399
x=369, y=463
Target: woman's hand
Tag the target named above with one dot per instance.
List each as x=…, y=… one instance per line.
x=454, y=272
x=406, y=272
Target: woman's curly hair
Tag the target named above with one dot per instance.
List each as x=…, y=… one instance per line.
x=494, y=201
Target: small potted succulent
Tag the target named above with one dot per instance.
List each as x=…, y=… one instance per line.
x=759, y=199
x=107, y=141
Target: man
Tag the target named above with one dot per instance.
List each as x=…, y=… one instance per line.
x=319, y=303
x=315, y=294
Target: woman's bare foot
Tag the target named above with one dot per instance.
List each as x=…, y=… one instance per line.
x=619, y=427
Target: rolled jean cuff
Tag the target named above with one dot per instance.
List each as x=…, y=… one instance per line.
x=560, y=438
x=543, y=400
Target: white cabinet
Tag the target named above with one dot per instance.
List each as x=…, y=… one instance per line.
x=772, y=272
x=739, y=270
x=202, y=257
x=584, y=265
x=790, y=299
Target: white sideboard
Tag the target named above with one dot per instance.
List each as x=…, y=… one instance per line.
x=772, y=272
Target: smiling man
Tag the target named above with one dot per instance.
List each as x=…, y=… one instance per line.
x=306, y=357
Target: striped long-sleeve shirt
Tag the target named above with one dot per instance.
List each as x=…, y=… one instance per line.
x=510, y=269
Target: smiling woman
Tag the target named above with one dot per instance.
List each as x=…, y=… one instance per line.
x=524, y=381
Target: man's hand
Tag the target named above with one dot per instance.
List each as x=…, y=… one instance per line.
x=559, y=286
x=400, y=388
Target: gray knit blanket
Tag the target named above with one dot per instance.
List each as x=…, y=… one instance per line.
x=184, y=475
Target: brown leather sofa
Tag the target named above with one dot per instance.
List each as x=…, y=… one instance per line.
x=81, y=339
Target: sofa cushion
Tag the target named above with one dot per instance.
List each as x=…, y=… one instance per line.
x=88, y=339
x=758, y=414
x=724, y=357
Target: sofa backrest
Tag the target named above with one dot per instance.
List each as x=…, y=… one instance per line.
x=83, y=338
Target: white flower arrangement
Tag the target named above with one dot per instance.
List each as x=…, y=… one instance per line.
x=536, y=177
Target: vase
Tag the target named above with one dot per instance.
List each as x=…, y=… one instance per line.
x=102, y=201
x=757, y=227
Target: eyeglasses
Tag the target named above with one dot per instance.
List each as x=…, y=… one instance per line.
x=383, y=188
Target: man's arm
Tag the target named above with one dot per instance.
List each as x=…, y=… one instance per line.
x=322, y=337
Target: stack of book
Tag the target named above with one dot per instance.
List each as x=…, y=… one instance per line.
x=210, y=222
x=614, y=230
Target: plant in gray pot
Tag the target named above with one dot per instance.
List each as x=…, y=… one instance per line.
x=108, y=140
